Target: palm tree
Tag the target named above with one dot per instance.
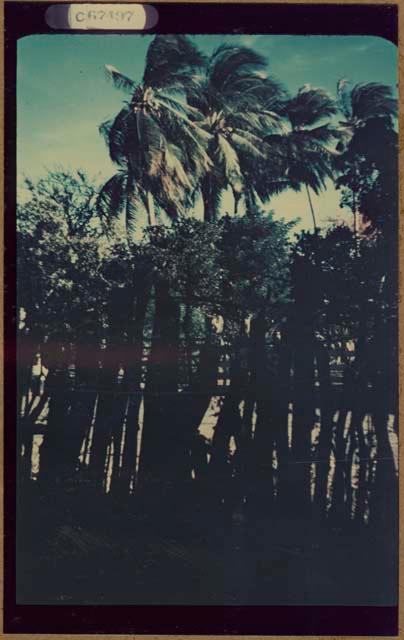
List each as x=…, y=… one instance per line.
x=369, y=111
x=159, y=149
x=304, y=150
x=238, y=101
x=364, y=103
x=369, y=172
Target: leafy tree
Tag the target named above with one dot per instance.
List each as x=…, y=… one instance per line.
x=184, y=254
x=59, y=240
x=71, y=194
x=254, y=259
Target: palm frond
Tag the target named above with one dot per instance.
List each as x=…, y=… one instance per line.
x=199, y=94
x=119, y=80
x=194, y=141
x=179, y=105
x=309, y=106
x=344, y=98
x=227, y=158
x=185, y=120
x=323, y=134
x=111, y=199
x=247, y=144
x=236, y=76
x=253, y=120
x=115, y=134
x=372, y=100
x=171, y=61
x=231, y=63
x=302, y=158
x=147, y=142
x=254, y=91
x=174, y=187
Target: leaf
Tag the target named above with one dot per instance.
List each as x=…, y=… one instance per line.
x=119, y=80
x=170, y=62
x=231, y=63
x=309, y=106
x=227, y=157
x=372, y=100
x=115, y=133
x=111, y=199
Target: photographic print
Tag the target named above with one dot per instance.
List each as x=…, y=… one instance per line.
x=206, y=318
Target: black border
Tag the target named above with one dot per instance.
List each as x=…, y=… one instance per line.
x=24, y=18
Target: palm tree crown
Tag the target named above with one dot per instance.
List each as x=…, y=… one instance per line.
x=237, y=99
x=368, y=145
x=159, y=149
x=304, y=150
x=365, y=101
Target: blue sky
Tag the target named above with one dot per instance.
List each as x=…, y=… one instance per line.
x=63, y=94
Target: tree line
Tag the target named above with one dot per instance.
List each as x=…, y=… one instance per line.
x=138, y=328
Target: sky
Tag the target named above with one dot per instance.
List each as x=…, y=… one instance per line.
x=63, y=95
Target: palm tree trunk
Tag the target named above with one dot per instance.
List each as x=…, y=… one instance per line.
x=311, y=209
x=150, y=209
x=250, y=202
x=355, y=224
x=355, y=211
x=129, y=194
x=237, y=198
x=209, y=211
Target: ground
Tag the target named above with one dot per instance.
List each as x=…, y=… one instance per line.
x=102, y=551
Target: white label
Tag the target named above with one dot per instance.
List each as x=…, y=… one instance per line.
x=103, y=16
